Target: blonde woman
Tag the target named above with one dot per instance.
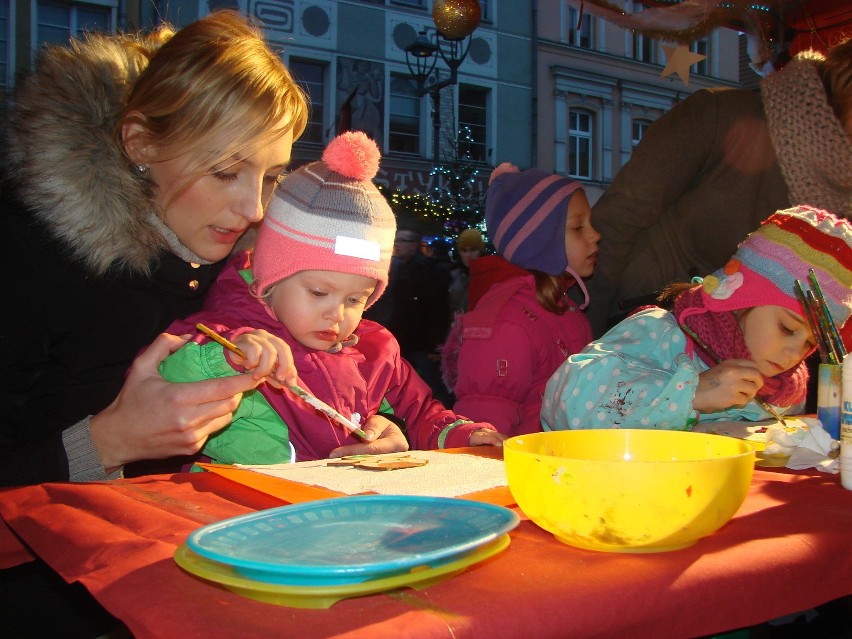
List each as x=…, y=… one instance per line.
x=134, y=165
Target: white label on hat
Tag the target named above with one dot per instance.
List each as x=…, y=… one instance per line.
x=355, y=247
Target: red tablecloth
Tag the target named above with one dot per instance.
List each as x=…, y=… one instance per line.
x=786, y=550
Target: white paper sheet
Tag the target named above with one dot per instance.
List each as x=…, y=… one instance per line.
x=446, y=475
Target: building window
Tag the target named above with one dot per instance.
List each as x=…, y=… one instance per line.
x=311, y=77
x=404, y=123
x=639, y=128
x=59, y=21
x=4, y=42
x=580, y=143
x=473, y=117
x=485, y=10
x=645, y=49
x=700, y=47
x=361, y=97
x=579, y=35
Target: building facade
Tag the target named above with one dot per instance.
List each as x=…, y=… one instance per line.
x=599, y=88
x=534, y=89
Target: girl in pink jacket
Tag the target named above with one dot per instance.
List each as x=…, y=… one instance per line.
x=522, y=325
x=322, y=256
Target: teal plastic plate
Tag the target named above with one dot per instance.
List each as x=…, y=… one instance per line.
x=325, y=596
x=347, y=540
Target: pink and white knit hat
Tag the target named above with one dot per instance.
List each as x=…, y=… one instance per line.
x=767, y=263
x=328, y=216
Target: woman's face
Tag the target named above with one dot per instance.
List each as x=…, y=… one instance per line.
x=214, y=212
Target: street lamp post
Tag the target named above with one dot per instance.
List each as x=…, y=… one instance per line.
x=455, y=21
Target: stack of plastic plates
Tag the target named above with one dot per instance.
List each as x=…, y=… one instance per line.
x=313, y=554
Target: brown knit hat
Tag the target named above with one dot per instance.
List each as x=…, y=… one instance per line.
x=470, y=238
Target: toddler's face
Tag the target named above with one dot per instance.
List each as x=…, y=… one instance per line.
x=581, y=238
x=777, y=338
x=320, y=308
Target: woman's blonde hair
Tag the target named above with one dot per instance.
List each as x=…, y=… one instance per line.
x=212, y=89
x=837, y=78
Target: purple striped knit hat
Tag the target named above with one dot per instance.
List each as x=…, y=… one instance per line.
x=526, y=213
x=328, y=216
x=768, y=262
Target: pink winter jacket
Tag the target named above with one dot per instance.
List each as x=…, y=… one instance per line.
x=509, y=348
x=364, y=378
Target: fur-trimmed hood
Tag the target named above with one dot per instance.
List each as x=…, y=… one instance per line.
x=64, y=161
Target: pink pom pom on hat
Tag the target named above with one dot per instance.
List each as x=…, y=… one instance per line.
x=328, y=216
x=353, y=155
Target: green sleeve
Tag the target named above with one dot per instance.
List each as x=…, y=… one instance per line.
x=194, y=362
x=256, y=434
x=385, y=408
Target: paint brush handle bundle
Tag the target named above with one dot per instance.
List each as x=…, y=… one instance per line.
x=826, y=335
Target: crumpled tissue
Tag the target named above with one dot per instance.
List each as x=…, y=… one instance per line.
x=806, y=442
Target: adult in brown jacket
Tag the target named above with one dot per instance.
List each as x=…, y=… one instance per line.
x=708, y=171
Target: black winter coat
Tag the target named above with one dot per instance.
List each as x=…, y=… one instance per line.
x=67, y=338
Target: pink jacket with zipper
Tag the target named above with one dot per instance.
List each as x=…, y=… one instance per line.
x=363, y=377
x=507, y=348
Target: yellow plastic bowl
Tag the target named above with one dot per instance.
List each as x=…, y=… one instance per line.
x=628, y=490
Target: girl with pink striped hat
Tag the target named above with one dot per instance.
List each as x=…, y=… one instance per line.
x=732, y=347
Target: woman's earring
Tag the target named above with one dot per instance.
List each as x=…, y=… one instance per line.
x=142, y=168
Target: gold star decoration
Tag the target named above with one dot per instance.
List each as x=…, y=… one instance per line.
x=678, y=60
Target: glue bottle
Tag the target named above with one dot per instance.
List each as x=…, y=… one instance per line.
x=846, y=424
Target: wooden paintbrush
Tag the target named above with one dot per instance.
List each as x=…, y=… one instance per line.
x=813, y=323
x=304, y=395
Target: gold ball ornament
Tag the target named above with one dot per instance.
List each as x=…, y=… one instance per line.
x=456, y=19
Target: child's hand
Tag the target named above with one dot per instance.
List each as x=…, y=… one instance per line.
x=384, y=437
x=266, y=356
x=733, y=382
x=487, y=437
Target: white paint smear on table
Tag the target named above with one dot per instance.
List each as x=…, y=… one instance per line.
x=446, y=475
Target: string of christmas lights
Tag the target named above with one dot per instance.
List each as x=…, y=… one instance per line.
x=456, y=199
